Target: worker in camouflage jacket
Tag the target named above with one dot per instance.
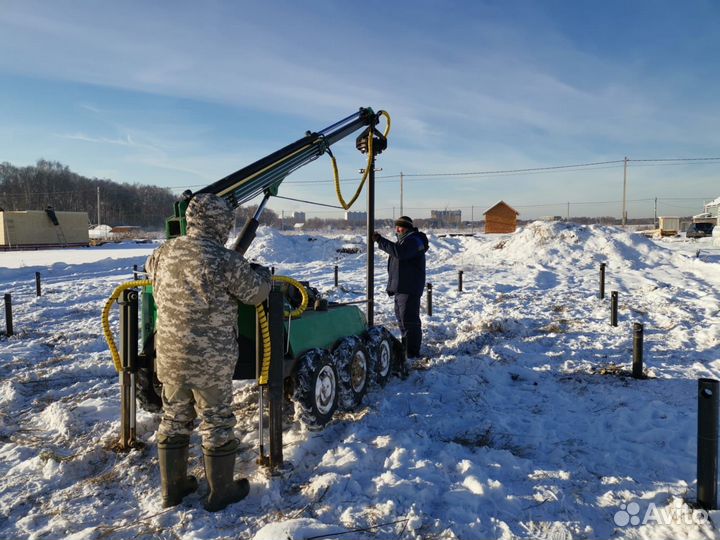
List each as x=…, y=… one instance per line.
x=197, y=286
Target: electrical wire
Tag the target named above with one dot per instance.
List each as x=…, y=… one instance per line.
x=309, y=202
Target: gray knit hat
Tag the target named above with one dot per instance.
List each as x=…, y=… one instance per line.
x=404, y=221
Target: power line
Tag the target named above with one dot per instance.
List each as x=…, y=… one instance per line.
x=309, y=202
x=533, y=169
x=678, y=159
x=595, y=166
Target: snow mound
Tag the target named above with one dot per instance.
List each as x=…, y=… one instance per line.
x=584, y=245
x=273, y=247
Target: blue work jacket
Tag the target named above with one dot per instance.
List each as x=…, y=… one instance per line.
x=406, y=264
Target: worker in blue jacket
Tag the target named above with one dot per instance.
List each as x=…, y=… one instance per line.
x=406, y=279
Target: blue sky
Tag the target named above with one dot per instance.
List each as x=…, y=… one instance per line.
x=183, y=93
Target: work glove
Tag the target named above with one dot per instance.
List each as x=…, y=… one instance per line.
x=376, y=236
x=262, y=271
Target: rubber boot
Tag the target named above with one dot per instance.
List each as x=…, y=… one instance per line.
x=173, y=456
x=219, y=469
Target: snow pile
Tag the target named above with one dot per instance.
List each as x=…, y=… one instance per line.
x=521, y=423
x=274, y=248
x=560, y=244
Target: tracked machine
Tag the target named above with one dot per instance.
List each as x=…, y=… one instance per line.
x=324, y=355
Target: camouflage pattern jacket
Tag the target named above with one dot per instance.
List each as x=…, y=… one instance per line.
x=197, y=286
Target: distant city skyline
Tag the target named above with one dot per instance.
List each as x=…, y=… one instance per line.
x=179, y=95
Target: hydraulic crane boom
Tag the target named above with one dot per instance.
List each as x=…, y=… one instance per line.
x=266, y=174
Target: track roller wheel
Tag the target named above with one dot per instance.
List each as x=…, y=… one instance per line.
x=352, y=362
x=316, y=388
x=384, y=353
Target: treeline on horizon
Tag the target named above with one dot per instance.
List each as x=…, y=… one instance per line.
x=49, y=183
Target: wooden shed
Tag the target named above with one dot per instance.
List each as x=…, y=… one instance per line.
x=42, y=228
x=500, y=218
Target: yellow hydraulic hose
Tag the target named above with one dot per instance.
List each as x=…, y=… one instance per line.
x=262, y=321
x=265, y=327
x=265, y=335
x=106, y=318
x=303, y=292
x=336, y=174
x=387, y=128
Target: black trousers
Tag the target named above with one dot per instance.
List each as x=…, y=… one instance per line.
x=407, y=312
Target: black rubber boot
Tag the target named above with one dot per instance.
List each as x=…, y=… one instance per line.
x=173, y=456
x=219, y=469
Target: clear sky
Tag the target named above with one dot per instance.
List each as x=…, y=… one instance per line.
x=183, y=93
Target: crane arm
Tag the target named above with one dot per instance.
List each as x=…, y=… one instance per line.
x=266, y=174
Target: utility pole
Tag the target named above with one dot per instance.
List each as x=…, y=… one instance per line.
x=655, y=220
x=98, y=205
x=624, y=208
x=472, y=219
x=401, y=194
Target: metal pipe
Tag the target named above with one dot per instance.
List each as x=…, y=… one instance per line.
x=8, y=315
x=132, y=365
x=707, y=443
x=614, y=308
x=336, y=275
x=38, y=290
x=460, y=285
x=429, y=299
x=637, y=369
x=262, y=458
x=602, y=280
x=276, y=380
x=348, y=303
x=261, y=206
x=128, y=357
x=370, y=244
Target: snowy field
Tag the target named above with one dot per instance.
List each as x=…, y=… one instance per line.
x=521, y=423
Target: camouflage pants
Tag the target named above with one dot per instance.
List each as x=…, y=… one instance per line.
x=213, y=405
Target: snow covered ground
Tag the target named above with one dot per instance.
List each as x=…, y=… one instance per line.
x=521, y=423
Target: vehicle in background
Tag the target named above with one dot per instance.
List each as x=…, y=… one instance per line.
x=699, y=230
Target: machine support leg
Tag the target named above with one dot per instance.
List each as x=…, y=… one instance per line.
x=129, y=359
x=262, y=457
x=276, y=379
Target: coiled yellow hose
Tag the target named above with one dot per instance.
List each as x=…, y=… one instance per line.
x=262, y=321
x=265, y=326
x=106, y=318
x=265, y=335
x=336, y=173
